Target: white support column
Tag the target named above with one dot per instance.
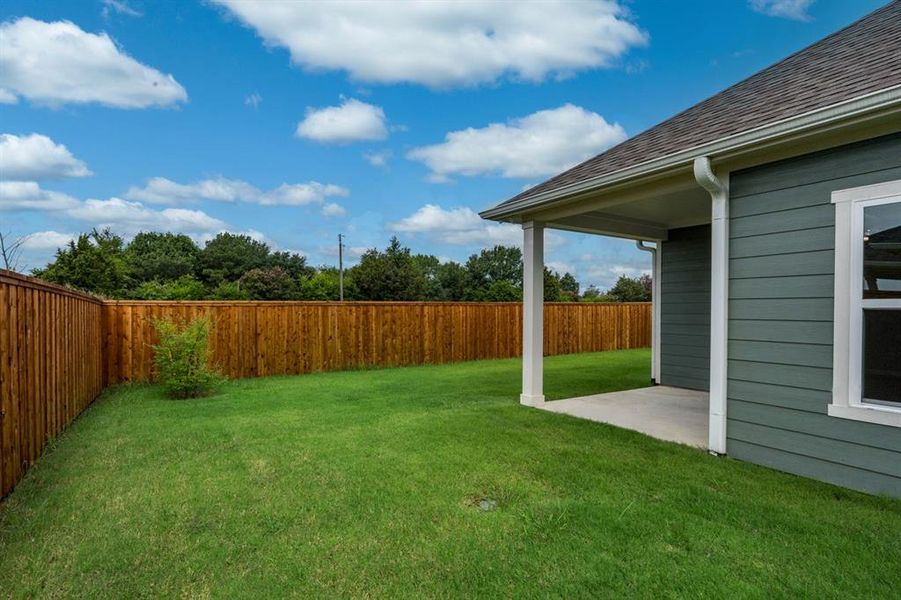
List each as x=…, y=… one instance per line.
x=533, y=315
x=719, y=299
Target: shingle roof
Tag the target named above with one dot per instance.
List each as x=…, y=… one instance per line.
x=861, y=58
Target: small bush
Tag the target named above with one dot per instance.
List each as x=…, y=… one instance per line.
x=181, y=358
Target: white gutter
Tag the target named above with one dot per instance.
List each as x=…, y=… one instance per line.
x=718, y=188
x=855, y=107
x=655, y=306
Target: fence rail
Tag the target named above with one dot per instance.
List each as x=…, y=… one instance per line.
x=50, y=366
x=60, y=348
x=252, y=339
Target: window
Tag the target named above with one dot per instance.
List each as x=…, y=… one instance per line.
x=867, y=316
x=881, y=300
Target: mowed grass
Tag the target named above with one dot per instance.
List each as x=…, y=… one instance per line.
x=369, y=484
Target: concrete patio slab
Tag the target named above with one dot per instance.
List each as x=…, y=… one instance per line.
x=663, y=412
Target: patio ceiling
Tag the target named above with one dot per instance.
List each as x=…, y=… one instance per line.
x=643, y=213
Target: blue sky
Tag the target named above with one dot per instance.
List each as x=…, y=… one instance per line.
x=297, y=121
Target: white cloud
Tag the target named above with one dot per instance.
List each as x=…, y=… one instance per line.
x=541, y=144
x=122, y=216
x=604, y=270
x=330, y=209
x=445, y=43
x=253, y=100
x=434, y=218
x=57, y=63
x=160, y=190
x=788, y=9
x=120, y=7
x=560, y=267
x=128, y=218
x=7, y=97
x=299, y=194
x=378, y=159
x=28, y=195
x=350, y=121
x=36, y=156
x=461, y=227
x=46, y=240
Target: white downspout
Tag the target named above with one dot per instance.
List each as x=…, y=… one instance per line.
x=655, y=306
x=718, y=187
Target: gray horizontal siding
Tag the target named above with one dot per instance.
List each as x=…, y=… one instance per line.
x=855, y=164
x=788, y=198
x=780, y=320
x=776, y=330
x=821, y=425
x=803, y=263
x=685, y=308
x=793, y=309
x=786, y=242
x=803, y=355
x=816, y=468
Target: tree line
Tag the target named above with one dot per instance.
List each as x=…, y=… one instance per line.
x=168, y=266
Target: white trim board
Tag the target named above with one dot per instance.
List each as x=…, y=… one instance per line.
x=847, y=363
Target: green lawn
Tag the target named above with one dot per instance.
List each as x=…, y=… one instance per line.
x=369, y=484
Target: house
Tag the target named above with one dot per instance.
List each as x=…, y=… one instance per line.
x=775, y=211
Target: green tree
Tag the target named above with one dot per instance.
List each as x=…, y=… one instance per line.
x=501, y=291
x=229, y=290
x=389, y=275
x=553, y=291
x=569, y=288
x=593, y=294
x=293, y=264
x=273, y=283
x=186, y=287
x=161, y=256
x=444, y=280
x=323, y=285
x=428, y=265
x=630, y=289
x=94, y=262
x=451, y=278
x=228, y=256
x=648, y=284
x=500, y=263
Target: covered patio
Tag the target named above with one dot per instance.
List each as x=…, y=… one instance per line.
x=681, y=221
x=664, y=412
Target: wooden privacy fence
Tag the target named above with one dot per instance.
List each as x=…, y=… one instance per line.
x=50, y=366
x=60, y=348
x=253, y=339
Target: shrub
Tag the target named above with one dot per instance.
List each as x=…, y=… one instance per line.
x=181, y=358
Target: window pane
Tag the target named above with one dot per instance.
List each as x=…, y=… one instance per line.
x=882, y=355
x=882, y=251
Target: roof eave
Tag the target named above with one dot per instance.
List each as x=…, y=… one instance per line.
x=743, y=142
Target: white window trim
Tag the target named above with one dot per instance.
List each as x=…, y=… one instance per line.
x=847, y=401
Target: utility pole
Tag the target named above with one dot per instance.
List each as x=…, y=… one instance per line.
x=341, y=267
